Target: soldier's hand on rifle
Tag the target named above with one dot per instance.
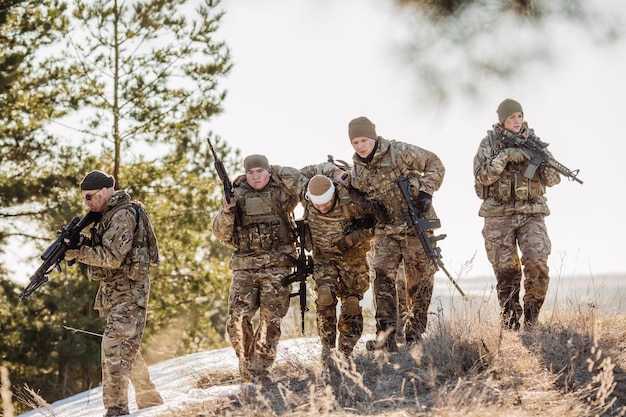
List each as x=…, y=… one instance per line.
x=516, y=155
x=229, y=206
x=423, y=202
x=74, y=243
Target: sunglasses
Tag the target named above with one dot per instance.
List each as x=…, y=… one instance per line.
x=88, y=196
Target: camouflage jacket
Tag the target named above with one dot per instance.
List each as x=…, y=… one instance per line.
x=344, y=220
x=109, y=255
x=261, y=229
x=501, y=184
x=392, y=160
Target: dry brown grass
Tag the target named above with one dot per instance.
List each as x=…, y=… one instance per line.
x=572, y=364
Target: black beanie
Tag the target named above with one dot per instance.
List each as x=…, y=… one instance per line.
x=96, y=180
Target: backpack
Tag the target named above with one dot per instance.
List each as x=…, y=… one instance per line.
x=144, y=233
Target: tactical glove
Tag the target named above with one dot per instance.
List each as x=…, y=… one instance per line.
x=516, y=155
x=344, y=244
x=423, y=202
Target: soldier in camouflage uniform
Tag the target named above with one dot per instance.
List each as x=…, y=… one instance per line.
x=340, y=234
x=119, y=254
x=258, y=223
x=378, y=164
x=514, y=208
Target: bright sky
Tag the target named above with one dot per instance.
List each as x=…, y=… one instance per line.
x=304, y=69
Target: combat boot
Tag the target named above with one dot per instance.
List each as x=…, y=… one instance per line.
x=149, y=399
x=118, y=410
x=385, y=337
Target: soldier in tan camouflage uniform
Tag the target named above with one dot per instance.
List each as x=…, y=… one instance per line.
x=340, y=234
x=378, y=164
x=514, y=209
x=258, y=223
x=119, y=254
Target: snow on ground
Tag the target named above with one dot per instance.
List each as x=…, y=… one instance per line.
x=176, y=380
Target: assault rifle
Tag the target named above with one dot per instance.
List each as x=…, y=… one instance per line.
x=535, y=148
x=55, y=253
x=304, y=268
x=221, y=172
x=422, y=224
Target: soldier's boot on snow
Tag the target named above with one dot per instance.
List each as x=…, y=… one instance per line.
x=115, y=411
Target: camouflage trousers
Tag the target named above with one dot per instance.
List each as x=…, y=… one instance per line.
x=346, y=279
x=122, y=361
x=419, y=274
x=251, y=291
x=503, y=235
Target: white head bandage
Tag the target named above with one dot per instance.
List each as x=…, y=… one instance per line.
x=320, y=190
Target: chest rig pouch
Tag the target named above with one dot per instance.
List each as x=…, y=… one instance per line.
x=261, y=227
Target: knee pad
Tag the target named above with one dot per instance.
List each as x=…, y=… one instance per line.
x=325, y=296
x=352, y=306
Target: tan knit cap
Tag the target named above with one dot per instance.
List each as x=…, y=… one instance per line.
x=361, y=126
x=320, y=190
x=256, y=161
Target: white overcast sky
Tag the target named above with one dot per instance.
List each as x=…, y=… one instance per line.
x=303, y=69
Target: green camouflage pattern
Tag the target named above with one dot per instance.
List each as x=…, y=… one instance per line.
x=501, y=184
x=122, y=300
x=264, y=249
x=251, y=291
x=378, y=178
x=503, y=235
x=343, y=271
x=395, y=242
x=514, y=210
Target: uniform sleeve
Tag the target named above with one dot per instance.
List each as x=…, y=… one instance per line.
x=117, y=241
x=292, y=179
x=223, y=225
x=488, y=167
x=423, y=165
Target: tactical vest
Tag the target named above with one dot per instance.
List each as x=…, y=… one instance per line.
x=260, y=227
x=144, y=252
x=511, y=185
x=379, y=183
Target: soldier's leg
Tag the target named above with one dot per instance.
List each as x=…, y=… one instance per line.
x=403, y=302
x=386, y=259
x=353, y=282
x=325, y=277
x=120, y=344
x=243, y=302
x=274, y=304
x=420, y=279
x=500, y=234
x=535, y=246
x=146, y=393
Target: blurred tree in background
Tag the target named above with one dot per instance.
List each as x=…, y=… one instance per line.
x=127, y=88
x=456, y=46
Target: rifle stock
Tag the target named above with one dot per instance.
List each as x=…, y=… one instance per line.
x=421, y=225
x=304, y=268
x=55, y=253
